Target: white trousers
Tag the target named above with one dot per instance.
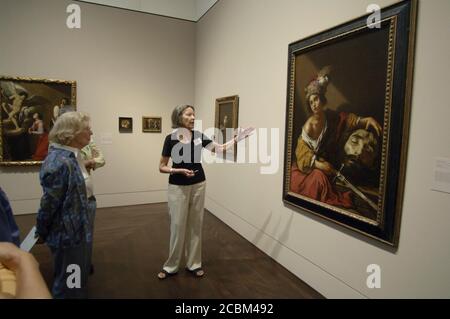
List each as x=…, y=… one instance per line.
x=186, y=209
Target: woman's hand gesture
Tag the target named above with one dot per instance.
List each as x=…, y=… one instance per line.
x=242, y=133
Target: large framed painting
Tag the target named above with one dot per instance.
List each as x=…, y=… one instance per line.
x=29, y=108
x=348, y=105
x=226, y=122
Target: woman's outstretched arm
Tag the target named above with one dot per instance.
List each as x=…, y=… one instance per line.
x=240, y=134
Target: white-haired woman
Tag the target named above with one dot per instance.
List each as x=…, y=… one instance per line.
x=65, y=217
x=186, y=191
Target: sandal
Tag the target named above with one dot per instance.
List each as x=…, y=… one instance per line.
x=164, y=274
x=198, y=272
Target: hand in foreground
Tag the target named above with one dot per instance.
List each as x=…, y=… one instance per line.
x=29, y=281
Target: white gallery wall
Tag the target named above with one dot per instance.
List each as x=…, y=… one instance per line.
x=242, y=48
x=125, y=64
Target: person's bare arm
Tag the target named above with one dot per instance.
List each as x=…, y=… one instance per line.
x=216, y=147
x=240, y=134
x=166, y=169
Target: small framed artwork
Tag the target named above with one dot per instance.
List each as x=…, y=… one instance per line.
x=125, y=125
x=226, y=122
x=347, y=119
x=29, y=108
x=151, y=124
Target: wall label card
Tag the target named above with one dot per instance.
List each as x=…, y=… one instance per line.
x=441, y=175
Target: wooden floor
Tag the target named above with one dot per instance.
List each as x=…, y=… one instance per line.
x=131, y=245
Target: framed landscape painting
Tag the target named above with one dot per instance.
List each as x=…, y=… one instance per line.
x=347, y=119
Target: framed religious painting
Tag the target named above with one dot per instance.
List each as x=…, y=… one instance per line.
x=29, y=108
x=347, y=119
x=226, y=123
x=151, y=124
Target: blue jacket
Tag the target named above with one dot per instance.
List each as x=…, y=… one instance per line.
x=9, y=231
x=63, y=219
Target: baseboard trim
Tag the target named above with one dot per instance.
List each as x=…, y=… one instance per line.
x=315, y=276
x=31, y=206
